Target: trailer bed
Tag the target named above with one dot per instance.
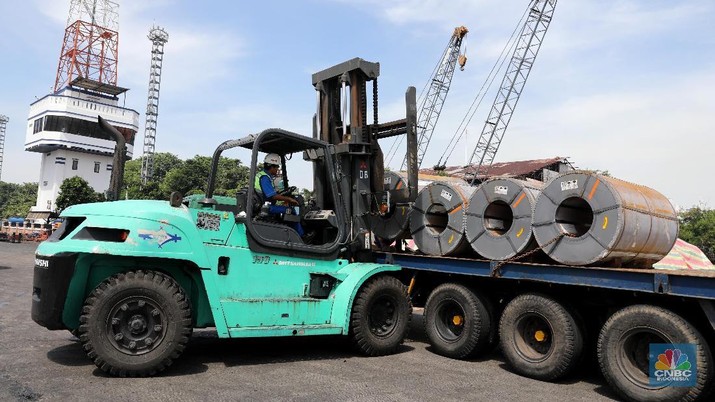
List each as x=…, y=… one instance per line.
x=685, y=283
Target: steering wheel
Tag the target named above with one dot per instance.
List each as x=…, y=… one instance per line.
x=289, y=190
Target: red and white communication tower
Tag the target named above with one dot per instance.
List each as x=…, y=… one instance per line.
x=90, y=49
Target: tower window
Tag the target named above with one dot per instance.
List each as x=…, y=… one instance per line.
x=37, y=126
x=96, y=167
x=75, y=163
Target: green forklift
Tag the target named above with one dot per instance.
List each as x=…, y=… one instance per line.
x=133, y=278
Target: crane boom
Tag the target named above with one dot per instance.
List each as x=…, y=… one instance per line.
x=431, y=105
x=528, y=45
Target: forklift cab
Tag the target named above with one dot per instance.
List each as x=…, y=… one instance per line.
x=277, y=234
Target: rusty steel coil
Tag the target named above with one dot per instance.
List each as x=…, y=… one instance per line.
x=603, y=221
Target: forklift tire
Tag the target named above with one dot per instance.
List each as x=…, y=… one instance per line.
x=540, y=338
x=135, y=324
x=625, y=360
x=458, y=322
x=380, y=316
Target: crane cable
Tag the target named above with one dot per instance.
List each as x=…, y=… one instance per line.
x=396, y=142
x=510, y=44
x=394, y=147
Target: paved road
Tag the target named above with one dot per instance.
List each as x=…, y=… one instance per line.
x=37, y=364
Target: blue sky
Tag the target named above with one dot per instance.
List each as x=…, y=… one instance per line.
x=624, y=86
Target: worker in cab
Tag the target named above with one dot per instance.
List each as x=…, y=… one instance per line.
x=264, y=187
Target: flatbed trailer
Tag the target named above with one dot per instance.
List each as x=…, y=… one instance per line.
x=548, y=318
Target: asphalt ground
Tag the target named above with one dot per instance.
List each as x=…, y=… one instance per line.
x=38, y=364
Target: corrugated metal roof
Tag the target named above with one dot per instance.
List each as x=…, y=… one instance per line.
x=511, y=169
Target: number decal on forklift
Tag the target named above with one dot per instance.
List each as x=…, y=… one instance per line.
x=261, y=259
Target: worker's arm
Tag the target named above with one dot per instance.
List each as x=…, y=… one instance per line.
x=270, y=192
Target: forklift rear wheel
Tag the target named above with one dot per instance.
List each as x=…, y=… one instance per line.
x=135, y=324
x=458, y=322
x=380, y=316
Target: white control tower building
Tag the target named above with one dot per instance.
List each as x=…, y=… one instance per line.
x=63, y=127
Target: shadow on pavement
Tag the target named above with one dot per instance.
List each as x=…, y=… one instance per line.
x=70, y=354
x=205, y=347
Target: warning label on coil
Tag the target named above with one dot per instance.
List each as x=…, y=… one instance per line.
x=569, y=185
x=446, y=195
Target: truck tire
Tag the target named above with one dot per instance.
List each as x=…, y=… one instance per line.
x=380, y=316
x=457, y=321
x=623, y=353
x=540, y=338
x=135, y=324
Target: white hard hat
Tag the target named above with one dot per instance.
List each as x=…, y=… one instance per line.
x=272, y=159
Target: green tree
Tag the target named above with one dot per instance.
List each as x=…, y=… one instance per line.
x=17, y=199
x=76, y=190
x=230, y=177
x=307, y=194
x=188, y=178
x=151, y=190
x=192, y=176
x=697, y=226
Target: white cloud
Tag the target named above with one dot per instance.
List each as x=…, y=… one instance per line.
x=660, y=137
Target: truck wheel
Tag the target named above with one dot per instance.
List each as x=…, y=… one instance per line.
x=623, y=353
x=458, y=322
x=380, y=316
x=540, y=337
x=135, y=323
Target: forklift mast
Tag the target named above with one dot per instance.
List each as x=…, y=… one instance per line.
x=341, y=120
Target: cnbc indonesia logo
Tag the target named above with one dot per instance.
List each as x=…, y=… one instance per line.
x=671, y=365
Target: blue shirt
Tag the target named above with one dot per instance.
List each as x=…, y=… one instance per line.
x=267, y=187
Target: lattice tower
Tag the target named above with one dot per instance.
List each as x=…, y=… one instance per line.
x=3, y=123
x=158, y=37
x=90, y=48
x=530, y=39
x=432, y=103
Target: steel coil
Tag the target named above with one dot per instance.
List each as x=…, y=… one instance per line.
x=583, y=218
x=437, y=218
x=393, y=225
x=498, y=219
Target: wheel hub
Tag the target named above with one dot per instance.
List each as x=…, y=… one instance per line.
x=633, y=357
x=533, y=337
x=540, y=336
x=383, y=316
x=136, y=325
x=450, y=320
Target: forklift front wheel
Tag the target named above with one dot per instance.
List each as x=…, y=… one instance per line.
x=135, y=324
x=380, y=317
